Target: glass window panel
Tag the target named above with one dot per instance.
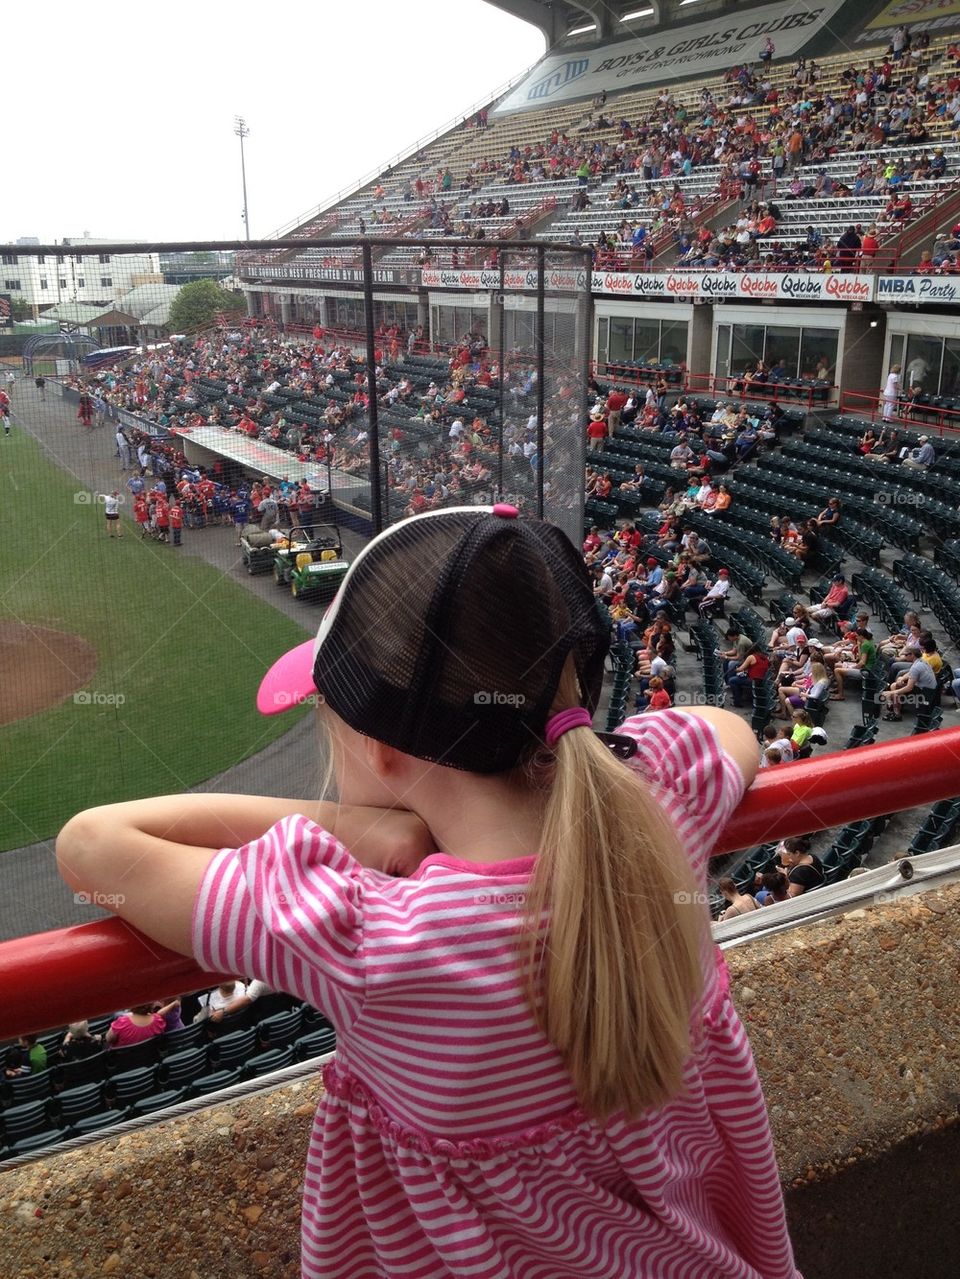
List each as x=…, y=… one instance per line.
x=922, y=366
x=783, y=347
x=673, y=342
x=603, y=328
x=723, y=351
x=818, y=345
x=621, y=339
x=747, y=347
x=646, y=342
x=950, y=378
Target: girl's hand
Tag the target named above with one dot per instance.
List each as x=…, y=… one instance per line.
x=391, y=840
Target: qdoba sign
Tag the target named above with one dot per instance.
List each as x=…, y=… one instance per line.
x=711, y=45
x=765, y=287
x=758, y=287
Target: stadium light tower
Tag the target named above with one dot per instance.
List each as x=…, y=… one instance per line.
x=242, y=131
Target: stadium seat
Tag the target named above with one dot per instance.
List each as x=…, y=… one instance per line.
x=232, y=1050
x=264, y=1063
x=156, y=1101
x=86, y=1070
x=317, y=1044
x=175, y=1041
x=183, y=1067
x=28, y=1127
x=280, y=1029
x=27, y=1088
x=214, y=1082
x=128, y=1087
x=78, y=1103
x=120, y=1060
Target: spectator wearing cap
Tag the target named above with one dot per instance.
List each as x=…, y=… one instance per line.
x=654, y=576
x=919, y=680
x=923, y=456
x=826, y=611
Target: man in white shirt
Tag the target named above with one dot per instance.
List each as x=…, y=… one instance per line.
x=716, y=594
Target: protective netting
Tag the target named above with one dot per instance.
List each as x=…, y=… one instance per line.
x=189, y=468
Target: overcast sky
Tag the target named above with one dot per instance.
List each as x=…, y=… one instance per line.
x=124, y=113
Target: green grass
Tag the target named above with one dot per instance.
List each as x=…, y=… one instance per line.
x=184, y=646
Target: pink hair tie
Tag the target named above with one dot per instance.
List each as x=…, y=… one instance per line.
x=563, y=721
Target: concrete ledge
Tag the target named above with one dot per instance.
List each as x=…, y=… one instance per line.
x=855, y=1026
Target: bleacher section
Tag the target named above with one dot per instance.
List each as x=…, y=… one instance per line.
x=75, y=1098
x=532, y=159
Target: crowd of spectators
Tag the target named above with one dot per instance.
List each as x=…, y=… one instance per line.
x=881, y=102
x=438, y=441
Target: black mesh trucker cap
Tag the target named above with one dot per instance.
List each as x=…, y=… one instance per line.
x=448, y=636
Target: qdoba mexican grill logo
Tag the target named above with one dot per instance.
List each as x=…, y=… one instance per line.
x=856, y=290
x=759, y=286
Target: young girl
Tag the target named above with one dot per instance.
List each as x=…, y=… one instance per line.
x=539, y=1069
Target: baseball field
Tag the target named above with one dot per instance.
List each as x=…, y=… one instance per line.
x=126, y=668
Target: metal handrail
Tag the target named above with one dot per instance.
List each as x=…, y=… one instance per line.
x=52, y=978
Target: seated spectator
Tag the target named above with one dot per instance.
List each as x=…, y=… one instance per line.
x=715, y=595
x=918, y=680
x=136, y=1026
x=246, y=997
x=864, y=658
x=923, y=456
x=804, y=870
x=796, y=693
x=776, y=738
x=772, y=888
x=737, y=903
x=35, y=1052
x=78, y=1043
x=753, y=667
x=826, y=611
x=657, y=699
x=218, y=1000
x=16, y=1063
x=802, y=732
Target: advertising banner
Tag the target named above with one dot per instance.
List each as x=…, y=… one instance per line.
x=477, y=278
x=919, y=289
x=683, y=285
x=698, y=47
x=329, y=274
x=744, y=287
x=907, y=11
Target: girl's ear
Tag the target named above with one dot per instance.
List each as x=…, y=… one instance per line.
x=384, y=761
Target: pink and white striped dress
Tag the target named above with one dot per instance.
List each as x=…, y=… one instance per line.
x=449, y=1141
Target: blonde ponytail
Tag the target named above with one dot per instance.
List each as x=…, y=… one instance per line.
x=614, y=978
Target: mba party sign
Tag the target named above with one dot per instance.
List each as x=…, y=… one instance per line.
x=712, y=45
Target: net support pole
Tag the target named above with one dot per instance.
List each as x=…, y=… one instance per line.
x=541, y=274
x=585, y=326
x=376, y=512
x=500, y=362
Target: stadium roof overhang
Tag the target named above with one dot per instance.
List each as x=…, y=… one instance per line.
x=604, y=18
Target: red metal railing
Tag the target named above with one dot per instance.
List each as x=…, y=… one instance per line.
x=710, y=384
x=918, y=417
x=52, y=978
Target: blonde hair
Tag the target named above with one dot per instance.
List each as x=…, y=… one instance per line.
x=611, y=949
x=818, y=671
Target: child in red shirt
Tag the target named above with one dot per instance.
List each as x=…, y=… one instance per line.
x=140, y=513
x=176, y=521
x=658, y=698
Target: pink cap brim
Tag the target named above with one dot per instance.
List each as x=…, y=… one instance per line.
x=288, y=682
